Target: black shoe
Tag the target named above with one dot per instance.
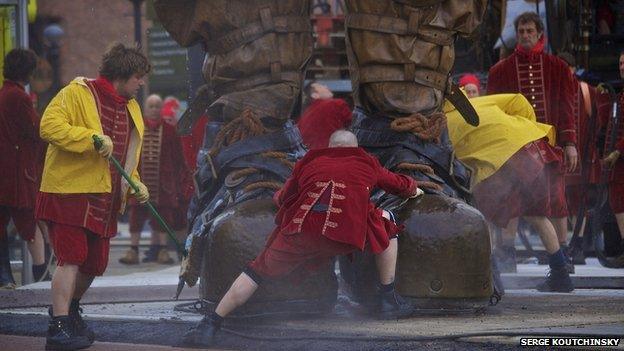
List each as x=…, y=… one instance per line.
x=393, y=306
x=62, y=336
x=557, y=280
x=75, y=317
x=203, y=334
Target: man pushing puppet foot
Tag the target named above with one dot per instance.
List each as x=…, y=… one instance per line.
x=324, y=211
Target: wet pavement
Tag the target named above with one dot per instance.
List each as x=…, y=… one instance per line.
x=130, y=308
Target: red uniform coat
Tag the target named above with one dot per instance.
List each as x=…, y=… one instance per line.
x=342, y=179
x=546, y=81
x=20, y=148
x=321, y=119
x=585, y=135
x=164, y=173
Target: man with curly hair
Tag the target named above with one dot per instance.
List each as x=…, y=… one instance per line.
x=81, y=192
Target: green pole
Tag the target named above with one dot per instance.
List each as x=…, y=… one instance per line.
x=98, y=144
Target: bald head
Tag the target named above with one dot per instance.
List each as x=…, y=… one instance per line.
x=153, y=104
x=343, y=138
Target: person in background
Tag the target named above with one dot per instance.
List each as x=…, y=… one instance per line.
x=323, y=115
x=545, y=80
x=585, y=104
x=170, y=108
x=20, y=163
x=165, y=174
x=614, y=161
x=471, y=85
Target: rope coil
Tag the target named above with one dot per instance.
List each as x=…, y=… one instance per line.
x=428, y=128
x=419, y=167
x=247, y=125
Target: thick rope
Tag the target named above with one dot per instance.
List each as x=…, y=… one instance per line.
x=429, y=185
x=428, y=128
x=265, y=184
x=280, y=156
x=245, y=126
x=418, y=167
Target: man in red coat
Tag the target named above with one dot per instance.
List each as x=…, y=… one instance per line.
x=323, y=116
x=615, y=162
x=20, y=163
x=547, y=83
x=325, y=211
x=165, y=174
x=586, y=100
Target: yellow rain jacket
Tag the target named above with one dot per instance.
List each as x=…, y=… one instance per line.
x=507, y=123
x=72, y=165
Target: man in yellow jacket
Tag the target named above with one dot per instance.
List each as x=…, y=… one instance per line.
x=511, y=158
x=81, y=192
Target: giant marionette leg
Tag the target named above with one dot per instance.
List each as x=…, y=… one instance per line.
x=400, y=56
x=257, y=51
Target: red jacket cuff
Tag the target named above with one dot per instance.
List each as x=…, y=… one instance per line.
x=276, y=198
x=567, y=136
x=411, y=189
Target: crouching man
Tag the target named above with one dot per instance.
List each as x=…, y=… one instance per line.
x=81, y=192
x=325, y=211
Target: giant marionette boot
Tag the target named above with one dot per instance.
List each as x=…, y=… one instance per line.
x=257, y=51
x=400, y=55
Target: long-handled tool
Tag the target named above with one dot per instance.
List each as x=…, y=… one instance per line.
x=98, y=144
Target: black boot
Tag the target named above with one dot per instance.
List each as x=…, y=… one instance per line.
x=557, y=280
x=75, y=315
x=393, y=306
x=6, y=276
x=81, y=327
x=62, y=336
x=203, y=334
x=569, y=264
